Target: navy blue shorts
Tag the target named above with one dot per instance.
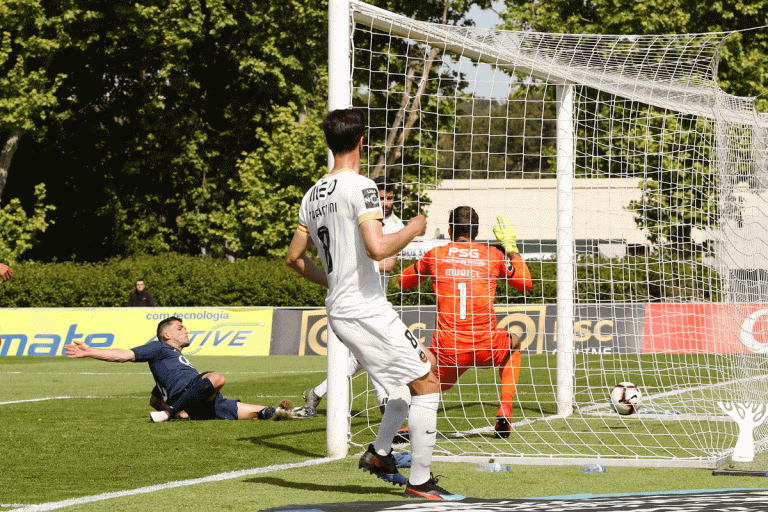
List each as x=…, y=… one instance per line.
x=219, y=408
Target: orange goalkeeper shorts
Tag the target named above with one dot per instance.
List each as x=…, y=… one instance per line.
x=453, y=362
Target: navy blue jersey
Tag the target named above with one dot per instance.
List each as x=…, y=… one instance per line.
x=171, y=370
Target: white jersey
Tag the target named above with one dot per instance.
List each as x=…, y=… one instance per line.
x=332, y=211
x=392, y=224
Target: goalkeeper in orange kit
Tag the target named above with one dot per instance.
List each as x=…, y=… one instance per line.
x=464, y=276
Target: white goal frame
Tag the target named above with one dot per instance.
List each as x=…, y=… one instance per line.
x=341, y=17
x=339, y=92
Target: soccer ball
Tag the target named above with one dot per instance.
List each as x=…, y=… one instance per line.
x=625, y=397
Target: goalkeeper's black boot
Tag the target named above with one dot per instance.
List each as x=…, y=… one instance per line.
x=502, y=428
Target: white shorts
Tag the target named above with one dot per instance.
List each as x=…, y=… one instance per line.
x=386, y=348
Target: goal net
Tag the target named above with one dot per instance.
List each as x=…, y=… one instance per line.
x=639, y=193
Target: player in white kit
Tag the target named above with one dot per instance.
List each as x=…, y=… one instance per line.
x=392, y=224
x=341, y=214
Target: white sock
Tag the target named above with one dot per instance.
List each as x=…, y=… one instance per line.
x=381, y=395
x=394, y=416
x=422, y=429
x=321, y=389
x=352, y=367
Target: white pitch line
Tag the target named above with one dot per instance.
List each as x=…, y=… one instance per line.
x=43, y=399
x=143, y=374
x=37, y=400
x=170, y=485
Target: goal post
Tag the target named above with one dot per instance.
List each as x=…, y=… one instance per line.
x=566, y=163
x=339, y=68
x=639, y=192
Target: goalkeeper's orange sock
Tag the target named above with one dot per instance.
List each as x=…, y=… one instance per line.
x=509, y=374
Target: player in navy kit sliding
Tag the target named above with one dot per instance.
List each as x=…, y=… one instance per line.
x=178, y=382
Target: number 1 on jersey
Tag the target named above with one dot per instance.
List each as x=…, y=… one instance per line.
x=462, y=300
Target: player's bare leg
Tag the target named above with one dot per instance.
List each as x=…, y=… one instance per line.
x=254, y=412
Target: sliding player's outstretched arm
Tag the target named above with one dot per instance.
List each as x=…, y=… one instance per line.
x=115, y=355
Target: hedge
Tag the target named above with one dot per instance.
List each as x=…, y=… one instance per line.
x=177, y=281
x=174, y=280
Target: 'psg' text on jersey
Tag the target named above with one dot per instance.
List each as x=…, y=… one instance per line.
x=464, y=278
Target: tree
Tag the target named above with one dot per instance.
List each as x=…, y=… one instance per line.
x=272, y=179
x=503, y=139
x=416, y=64
x=678, y=192
x=271, y=182
x=743, y=69
x=158, y=102
x=157, y=117
x=19, y=232
x=28, y=42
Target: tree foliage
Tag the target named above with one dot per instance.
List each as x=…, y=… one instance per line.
x=156, y=103
x=169, y=126
x=31, y=36
x=743, y=68
x=19, y=231
x=503, y=138
x=271, y=182
x=670, y=152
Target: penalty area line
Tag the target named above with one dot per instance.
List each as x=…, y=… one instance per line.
x=171, y=485
x=46, y=398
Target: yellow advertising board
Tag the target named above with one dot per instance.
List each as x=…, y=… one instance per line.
x=212, y=331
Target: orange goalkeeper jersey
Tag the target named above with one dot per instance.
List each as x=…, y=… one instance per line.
x=464, y=277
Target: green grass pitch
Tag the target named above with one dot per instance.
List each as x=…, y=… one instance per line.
x=79, y=428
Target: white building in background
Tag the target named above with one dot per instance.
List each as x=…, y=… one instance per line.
x=741, y=245
x=743, y=241
x=602, y=221
x=603, y=224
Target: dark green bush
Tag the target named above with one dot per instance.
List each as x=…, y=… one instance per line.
x=174, y=280
x=177, y=281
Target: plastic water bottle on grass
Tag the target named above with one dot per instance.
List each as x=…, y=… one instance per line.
x=593, y=468
x=492, y=467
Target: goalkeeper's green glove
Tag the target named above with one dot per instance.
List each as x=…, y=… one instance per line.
x=505, y=234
